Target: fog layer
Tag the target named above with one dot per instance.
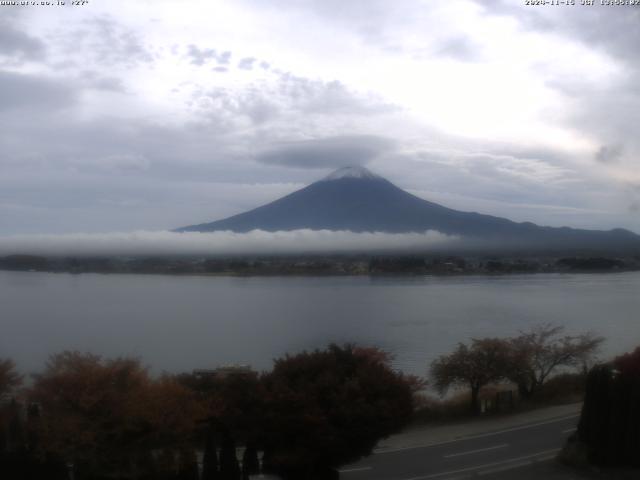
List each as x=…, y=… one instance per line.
x=220, y=243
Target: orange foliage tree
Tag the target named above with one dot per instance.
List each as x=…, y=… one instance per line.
x=104, y=416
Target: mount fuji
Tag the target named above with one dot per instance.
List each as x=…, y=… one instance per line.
x=355, y=199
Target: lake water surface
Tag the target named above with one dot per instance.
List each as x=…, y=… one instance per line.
x=177, y=323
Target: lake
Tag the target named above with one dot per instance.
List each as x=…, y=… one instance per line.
x=178, y=323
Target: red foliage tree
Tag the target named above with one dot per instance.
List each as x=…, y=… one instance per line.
x=327, y=408
x=629, y=364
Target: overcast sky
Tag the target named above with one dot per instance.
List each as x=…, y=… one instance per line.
x=128, y=115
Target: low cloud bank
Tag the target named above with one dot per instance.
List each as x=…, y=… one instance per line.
x=221, y=243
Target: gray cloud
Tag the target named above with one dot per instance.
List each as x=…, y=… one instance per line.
x=246, y=63
x=515, y=179
x=200, y=56
x=113, y=172
x=220, y=243
x=460, y=48
x=609, y=153
x=18, y=45
x=288, y=95
x=95, y=80
x=536, y=186
x=375, y=21
x=123, y=163
x=597, y=26
x=226, y=106
x=118, y=44
x=282, y=98
x=34, y=92
x=224, y=58
x=331, y=152
x=103, y=41
x=606, y=111
x=381, y=24
x=315, y=96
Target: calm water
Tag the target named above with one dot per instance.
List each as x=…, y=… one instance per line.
x=181, y=323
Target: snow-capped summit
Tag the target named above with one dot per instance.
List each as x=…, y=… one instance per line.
x=351, y=172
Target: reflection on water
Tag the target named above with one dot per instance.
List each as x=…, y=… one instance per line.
x=181, y=323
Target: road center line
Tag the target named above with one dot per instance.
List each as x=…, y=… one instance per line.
x=569, y=430
x=511, y=466
x=358, y=469
x=486, y=465
x=504, y=445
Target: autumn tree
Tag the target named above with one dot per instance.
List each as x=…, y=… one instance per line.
x=541, y=351
x=170, y=411
x=103, y=415
x=233, y=403
x=9, y=381
x=9, y=377
x=329, y=407
x=483, y=362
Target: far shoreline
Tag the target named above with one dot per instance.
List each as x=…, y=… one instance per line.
x=374, y=266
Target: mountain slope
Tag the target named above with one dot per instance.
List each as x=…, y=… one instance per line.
x=355, y=199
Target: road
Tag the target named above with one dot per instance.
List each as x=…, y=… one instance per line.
x=479, y=455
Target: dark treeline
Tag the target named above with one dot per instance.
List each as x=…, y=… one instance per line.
x=97, y=418
x=109, y=418
x=322, y=265
x=609, y=429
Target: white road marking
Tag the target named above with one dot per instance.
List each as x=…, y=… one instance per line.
x=511, y=466
x=487, y=465
x=504, y=445
x=358, y=469
x=568, y=430
x=481, y=435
